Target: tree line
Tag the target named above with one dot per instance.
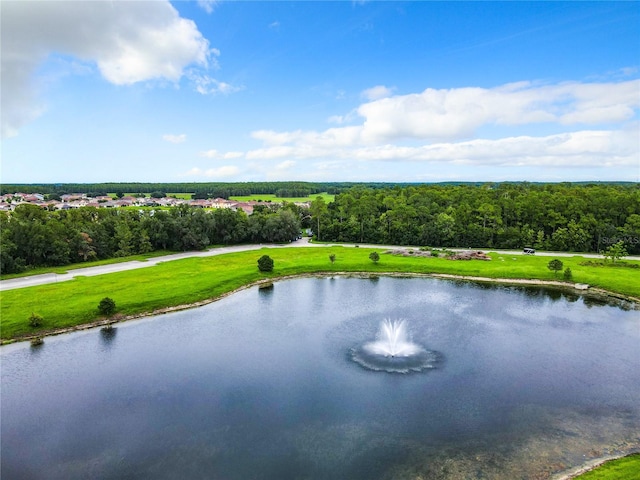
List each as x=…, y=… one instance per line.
x=559, y=217
x=31, y=236
x=200, y=190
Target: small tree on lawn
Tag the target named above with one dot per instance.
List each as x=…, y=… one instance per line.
x=616, y=252
x=265, y=263
x=568, y=275
x=35, y=320
x=374, y=257
x=332, y=258
x=555, y=266
x=107, y=306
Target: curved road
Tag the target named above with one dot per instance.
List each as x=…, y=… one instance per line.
x=45, y=278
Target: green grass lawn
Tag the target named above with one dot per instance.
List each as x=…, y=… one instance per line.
x=265, y=197
x=626, y=468
x=190, y=280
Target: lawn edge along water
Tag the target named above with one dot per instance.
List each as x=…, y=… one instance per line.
x=624, y=467
x=185, y=283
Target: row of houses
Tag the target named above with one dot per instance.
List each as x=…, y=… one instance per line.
x=76, y=200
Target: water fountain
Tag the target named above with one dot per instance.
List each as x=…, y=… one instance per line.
x=393, y=351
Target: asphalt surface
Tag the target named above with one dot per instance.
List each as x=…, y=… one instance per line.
x=46, y=278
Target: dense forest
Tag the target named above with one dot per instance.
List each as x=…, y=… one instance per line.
x=223, y=189
x=561, y=217
x=31, y=236
x=199, y=190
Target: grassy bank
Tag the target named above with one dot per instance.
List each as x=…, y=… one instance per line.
x=625, y=468
x=187, y=281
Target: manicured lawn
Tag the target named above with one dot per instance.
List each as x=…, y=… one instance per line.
x=626, y=468
x=190, y=280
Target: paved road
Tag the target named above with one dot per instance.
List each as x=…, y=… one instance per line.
x=120, y=267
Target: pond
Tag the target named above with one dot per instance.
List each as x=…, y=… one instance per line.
x=520, y=383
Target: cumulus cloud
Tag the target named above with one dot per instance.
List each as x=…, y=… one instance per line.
x=377, y=92
x=207, y=85
x=587, y=148
x=286, y=165
x=220, y=172
x=221, y=155
x=458, y=113
x=127, y=41
x=175, y=138
x=442, y=126
x=207, y=5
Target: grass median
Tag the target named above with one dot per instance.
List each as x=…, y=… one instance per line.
x=183, y=282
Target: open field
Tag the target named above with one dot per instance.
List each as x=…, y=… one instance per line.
x=183, y=282
x=266, y=197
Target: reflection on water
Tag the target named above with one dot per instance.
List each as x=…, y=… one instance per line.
x=261, y=385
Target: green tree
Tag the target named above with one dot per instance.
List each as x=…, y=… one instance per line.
x=555, y=266
x=616, y=252
x=374, y=257
x=107, y=306
x=123, y=238
x=567, y=275
x=332, y=258
x=265, y=263
x=318, y=211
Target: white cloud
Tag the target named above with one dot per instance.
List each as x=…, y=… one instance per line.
x=459, y=113
x=377, y=92
x=175, y=138
x=221, y=156
x=128, y=41
x=220, y=172
x=274, y=25
x=587, y=148
x=441, y=125
x=207, y=85
x=207, y=5
x=456, y=114
x=286, y=165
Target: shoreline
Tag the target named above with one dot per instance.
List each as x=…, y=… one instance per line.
x=119, y=318
x=588, y=466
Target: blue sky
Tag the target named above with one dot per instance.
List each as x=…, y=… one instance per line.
x=158, y=91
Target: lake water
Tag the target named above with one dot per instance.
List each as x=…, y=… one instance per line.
x=261, y=385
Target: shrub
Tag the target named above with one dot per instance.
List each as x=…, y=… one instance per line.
x=107, y=306
x=332, y=257
x=35, y=320
x=374, y=257
x=265, y=263
x=568, y=275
